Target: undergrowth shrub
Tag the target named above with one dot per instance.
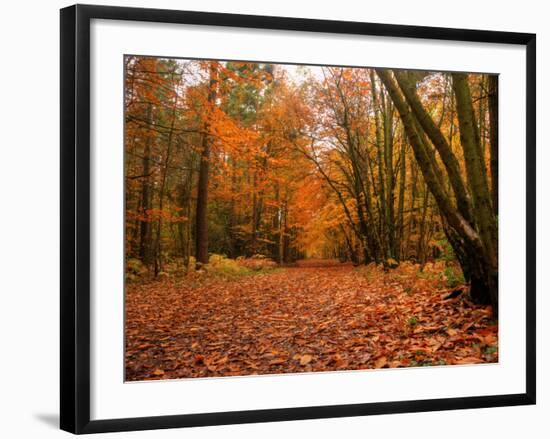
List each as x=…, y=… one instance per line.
x=257, y=263
x=220, y=265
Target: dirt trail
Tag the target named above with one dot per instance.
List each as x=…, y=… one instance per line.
x=315, y=316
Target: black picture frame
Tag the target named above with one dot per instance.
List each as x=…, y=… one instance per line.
x=75, y=217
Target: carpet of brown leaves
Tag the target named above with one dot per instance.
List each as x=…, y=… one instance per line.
x=320, y=316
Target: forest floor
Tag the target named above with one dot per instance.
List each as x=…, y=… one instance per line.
x=316, y=316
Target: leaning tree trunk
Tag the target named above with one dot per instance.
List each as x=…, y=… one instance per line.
x=476, y=239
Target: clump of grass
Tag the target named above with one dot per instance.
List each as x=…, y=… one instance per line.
x=423, y=363
x=453, y=276
x=220, y=265
x=427, y=275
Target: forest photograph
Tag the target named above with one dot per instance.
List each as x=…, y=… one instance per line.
x=294, y=218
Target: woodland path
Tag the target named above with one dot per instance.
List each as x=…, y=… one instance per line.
x=316, y=316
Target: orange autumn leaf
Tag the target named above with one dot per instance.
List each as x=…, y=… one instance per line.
x=380, y=362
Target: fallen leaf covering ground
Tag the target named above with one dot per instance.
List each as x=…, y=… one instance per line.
x=317, y=316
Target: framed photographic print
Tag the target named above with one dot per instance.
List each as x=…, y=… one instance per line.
x=268, y=218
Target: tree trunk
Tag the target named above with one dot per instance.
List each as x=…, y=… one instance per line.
x=231, y=223
x=388, y=161
x=145, y=224
x=412, y=209
x=420, y=245
x=158, y=243
x=493, y=139
x=201, y=248
x=401, y=201
x=485, y=269
x=282, y=221
x=380, y=154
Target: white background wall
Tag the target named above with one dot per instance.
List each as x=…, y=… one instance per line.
x=29, y=206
